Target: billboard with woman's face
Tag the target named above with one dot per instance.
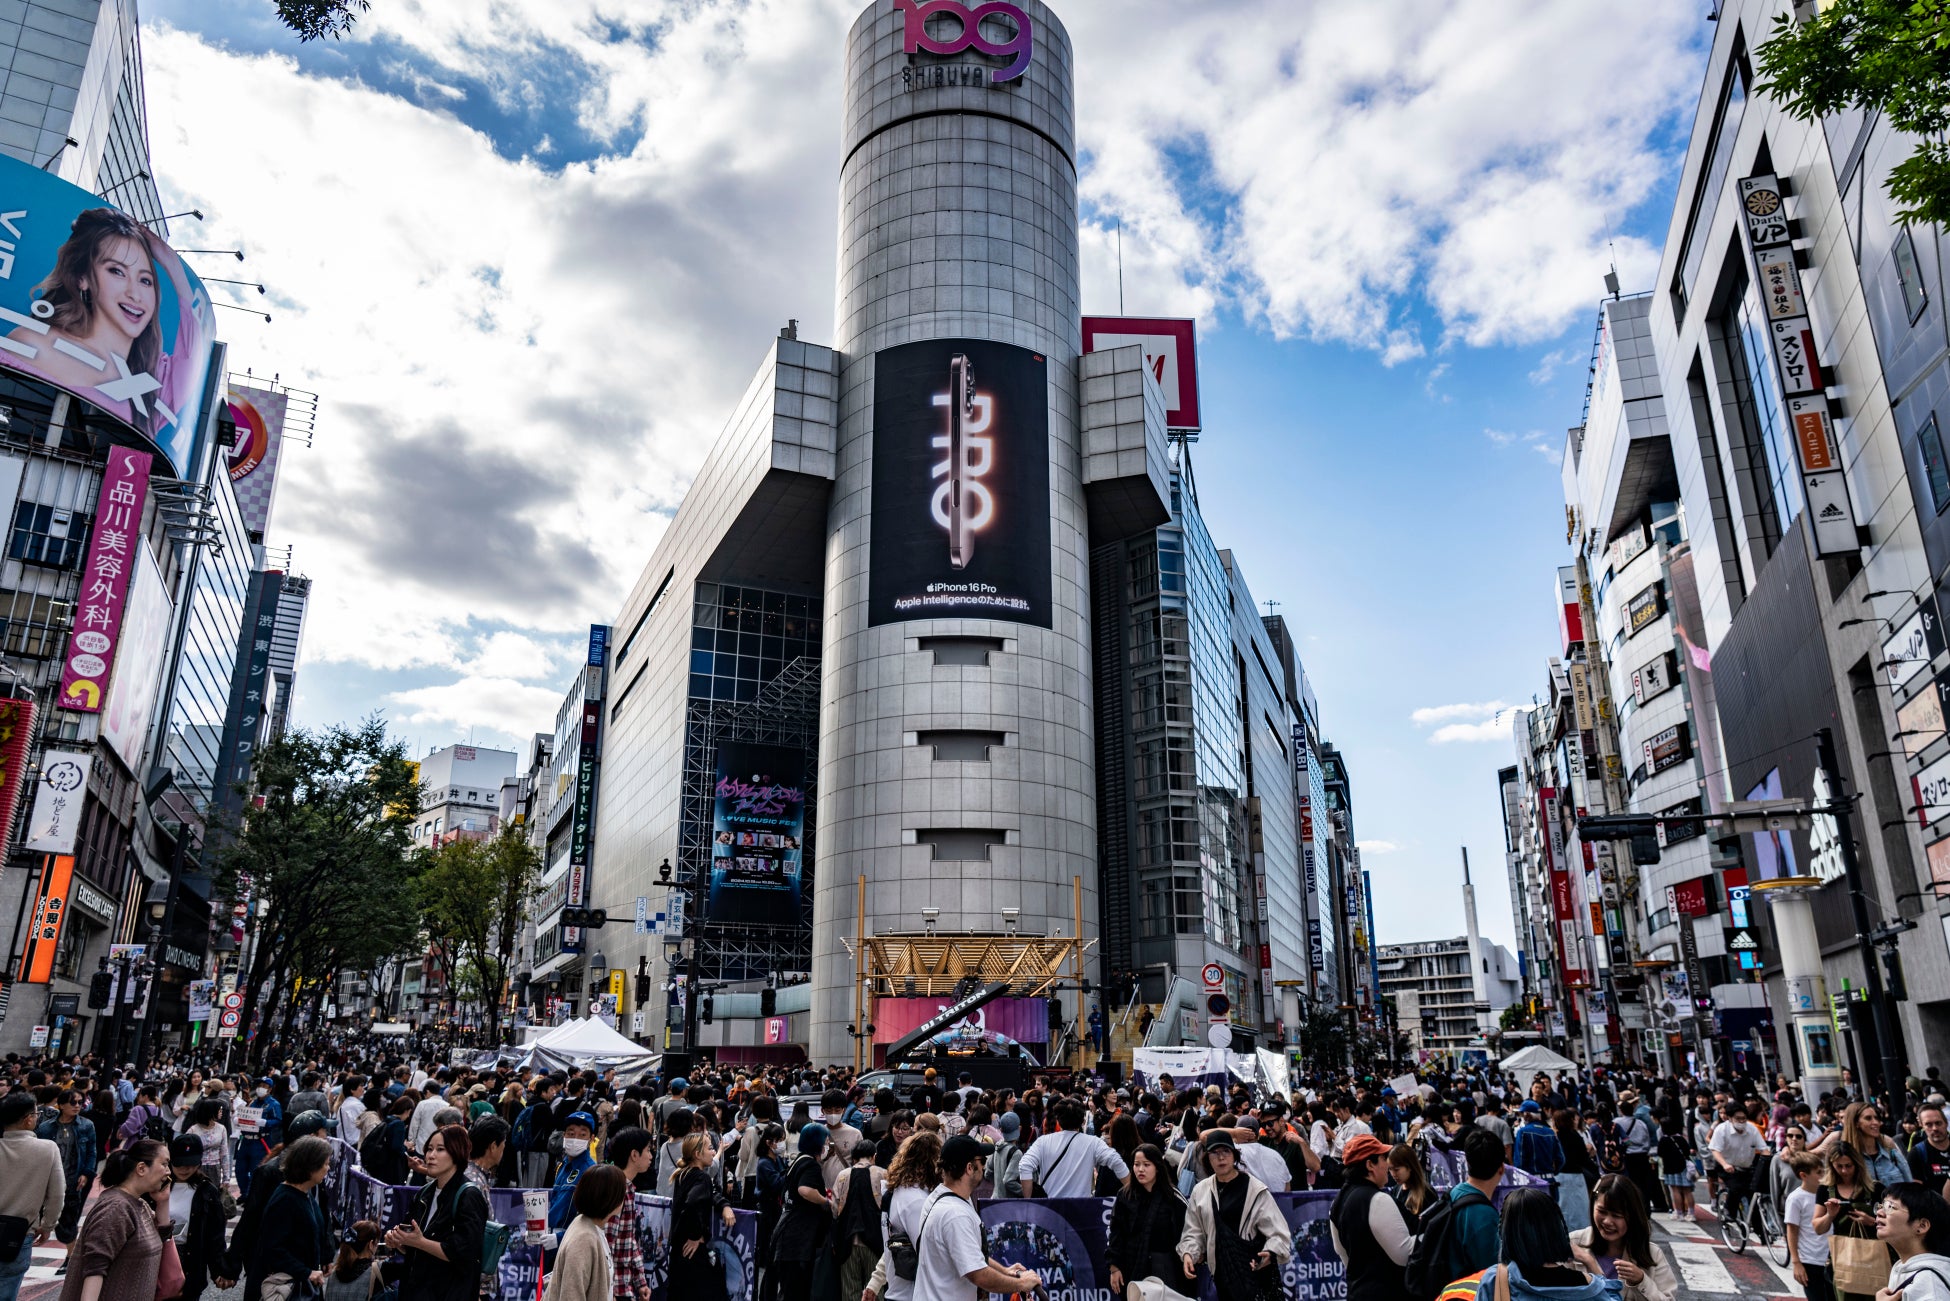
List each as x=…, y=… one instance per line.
x=96, y=304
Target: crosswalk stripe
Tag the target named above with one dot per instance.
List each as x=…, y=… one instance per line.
x=1701, y=1269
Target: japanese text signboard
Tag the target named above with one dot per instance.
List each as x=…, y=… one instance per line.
x=105, y=581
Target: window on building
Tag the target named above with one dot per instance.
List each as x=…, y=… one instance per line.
x=1935, y=464
x=1759, y=419
x=1910, y=276
x=45, y=535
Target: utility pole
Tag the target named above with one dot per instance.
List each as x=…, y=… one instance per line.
x=1891, y=1068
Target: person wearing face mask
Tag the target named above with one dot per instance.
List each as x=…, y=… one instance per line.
x=254, y=1149
x=841, y=1136
x=576, y=1133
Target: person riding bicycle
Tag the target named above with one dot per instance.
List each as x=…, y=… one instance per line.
x=1736, y=1146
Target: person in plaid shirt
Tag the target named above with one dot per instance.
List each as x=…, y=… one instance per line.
x=633, y=1149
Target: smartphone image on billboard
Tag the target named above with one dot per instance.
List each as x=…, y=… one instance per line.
x=961, y=406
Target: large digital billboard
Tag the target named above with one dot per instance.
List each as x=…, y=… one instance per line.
x=96, y=304
x=961, y=505
x=758, y=835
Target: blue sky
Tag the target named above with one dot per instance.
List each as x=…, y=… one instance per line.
x=528, y=259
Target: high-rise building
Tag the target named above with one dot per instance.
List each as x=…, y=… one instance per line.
x=460, y=789
x=938, y=643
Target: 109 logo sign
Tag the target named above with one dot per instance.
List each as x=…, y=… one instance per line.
x=1017, y=48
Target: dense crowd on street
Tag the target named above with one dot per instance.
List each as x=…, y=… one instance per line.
x=170, y=1183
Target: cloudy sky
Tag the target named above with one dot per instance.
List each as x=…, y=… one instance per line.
x=529, y=251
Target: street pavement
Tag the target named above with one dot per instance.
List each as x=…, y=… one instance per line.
x=1707, y=1269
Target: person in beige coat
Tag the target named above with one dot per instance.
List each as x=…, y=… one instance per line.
x=582, y=1265
x=1620, y=1234
x=1229, y=1212
x=32, y=1184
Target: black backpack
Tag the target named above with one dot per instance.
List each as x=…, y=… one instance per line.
x=1437, y=1260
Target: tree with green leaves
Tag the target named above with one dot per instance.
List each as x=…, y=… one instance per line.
x=473, y=897
x=312, y=19
x=1884, y=56
x=326, y=856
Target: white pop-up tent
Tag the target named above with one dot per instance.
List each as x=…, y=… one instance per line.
x=1537, y=1058
x=590, y=1044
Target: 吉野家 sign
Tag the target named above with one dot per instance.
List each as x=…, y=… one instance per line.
x=1170, y=354
x=960, y=525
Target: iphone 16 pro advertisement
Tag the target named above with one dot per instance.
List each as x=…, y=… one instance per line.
x=960, y=483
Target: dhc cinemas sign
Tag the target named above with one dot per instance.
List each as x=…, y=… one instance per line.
x=961, y=508
x=996, y=30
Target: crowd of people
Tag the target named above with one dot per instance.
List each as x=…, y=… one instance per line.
x=171, y=1184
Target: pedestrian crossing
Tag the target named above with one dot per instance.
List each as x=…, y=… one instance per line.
x=47, y=1264
x=1707, y=1268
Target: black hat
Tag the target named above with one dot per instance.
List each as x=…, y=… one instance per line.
x=186, y=1150
x=1220, y=1138
x=958, y=1151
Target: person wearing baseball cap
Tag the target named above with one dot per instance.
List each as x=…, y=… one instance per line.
x=952, y=1264
x=1370, y=1235
x=1238, y=1258
x=196, y=1212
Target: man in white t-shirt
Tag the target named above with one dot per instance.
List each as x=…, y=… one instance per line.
x=953, y=1266
x=1064, y=1163
x=1346, y=1125
x=1735, y=1144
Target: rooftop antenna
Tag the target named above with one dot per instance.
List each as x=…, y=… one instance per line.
x=1269, y=603
x=1120, y=264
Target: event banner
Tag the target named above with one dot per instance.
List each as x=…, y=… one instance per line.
x=998, y=1024
x=96, y=304
x=258, y=414
x=351, y=1195
x=961, y=504
x=102, y=601
x=758, y=832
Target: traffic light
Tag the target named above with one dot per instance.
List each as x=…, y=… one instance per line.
x=704, y=1009
x=99, y=989
x=768, y=1001
x=586, y=918
x=1642, y=831
x=642, y=983
x=1892, y=975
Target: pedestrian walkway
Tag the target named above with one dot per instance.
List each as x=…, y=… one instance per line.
x=1707, y=1269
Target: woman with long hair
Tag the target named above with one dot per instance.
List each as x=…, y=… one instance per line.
x=915, y=1172
x=352, y=1276
x=1410, y=1185
x=694, y=1202
x=1862, y=1129
x=1233, y=1227
x=119, y=1251
x=769, y=1183
x=446, y=1225
x=1618, y=1243
x=205, y=1122
x=1580, y=1172
x=1845, y=1208
x=1536, y=1259
x=1676, y=1158
x=1146, y=1221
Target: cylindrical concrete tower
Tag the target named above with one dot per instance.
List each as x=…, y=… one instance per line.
x=956, y=762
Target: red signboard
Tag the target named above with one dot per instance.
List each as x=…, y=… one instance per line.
x=37, y=961
x=16, y=730
x=1170, y=354
x=1689, y=898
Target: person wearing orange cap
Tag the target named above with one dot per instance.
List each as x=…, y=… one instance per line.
x=1370, y=1235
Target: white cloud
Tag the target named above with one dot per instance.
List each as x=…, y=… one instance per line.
x=1549, y=364
x=500, y=703
x=1376, y=846
x=521, y=368
x=1493, y=729
x=1430, y=714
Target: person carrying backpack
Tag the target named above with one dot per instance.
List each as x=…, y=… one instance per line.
x=1006, y=1161
x=1460, y=1233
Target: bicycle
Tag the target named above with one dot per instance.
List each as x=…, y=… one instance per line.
x=1761, y=1220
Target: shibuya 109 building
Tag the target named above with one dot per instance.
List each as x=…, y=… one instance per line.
x=936, y=679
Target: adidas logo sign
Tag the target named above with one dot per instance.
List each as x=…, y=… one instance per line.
x=1833, y=512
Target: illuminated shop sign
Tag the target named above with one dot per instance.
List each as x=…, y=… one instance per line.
x=996, y=30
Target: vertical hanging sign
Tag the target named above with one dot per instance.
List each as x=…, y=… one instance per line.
x=105, y=581
x=37, y=962
x=1770, y=242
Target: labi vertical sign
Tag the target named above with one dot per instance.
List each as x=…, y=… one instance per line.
x=961, y=506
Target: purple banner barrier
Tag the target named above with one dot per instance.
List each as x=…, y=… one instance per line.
x=350, y=1194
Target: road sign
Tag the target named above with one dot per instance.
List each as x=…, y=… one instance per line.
x=1220, y=1035
x=37, y=1037
x=1218, y=1005
x=230, y=1015
x=1214, y=974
